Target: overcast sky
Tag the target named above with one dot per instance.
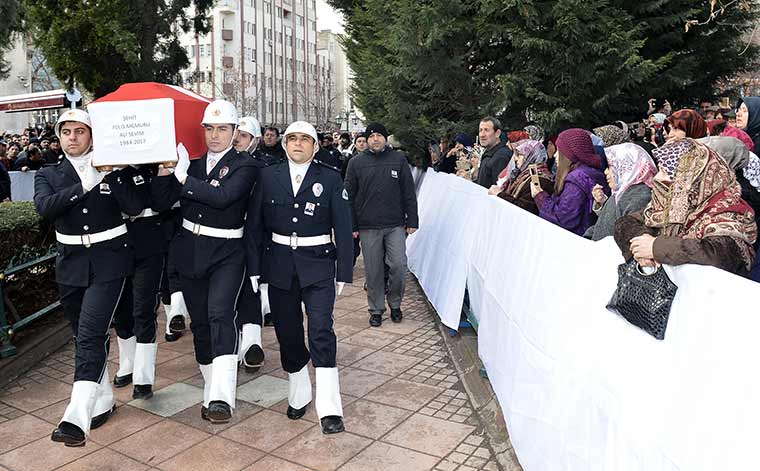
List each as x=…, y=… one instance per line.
x=328, y=18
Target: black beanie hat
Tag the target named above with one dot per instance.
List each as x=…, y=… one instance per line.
x=376, y=128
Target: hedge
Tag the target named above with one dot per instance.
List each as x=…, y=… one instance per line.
x=23, y=233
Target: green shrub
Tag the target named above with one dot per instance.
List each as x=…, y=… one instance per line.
x=23, y=233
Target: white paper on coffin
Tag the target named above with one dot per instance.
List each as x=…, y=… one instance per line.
x=133, y=132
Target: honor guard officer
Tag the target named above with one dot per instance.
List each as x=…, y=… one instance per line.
x=295, y=207
x=94, y=258
x=208, y=251
x=135, y=319
x=250, y=354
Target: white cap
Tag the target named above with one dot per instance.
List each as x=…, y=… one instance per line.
x=304, y=128
x=220, y=112
x=75, y=115
x=250, y=125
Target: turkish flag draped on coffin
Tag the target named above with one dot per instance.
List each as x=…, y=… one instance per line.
x=142, y=123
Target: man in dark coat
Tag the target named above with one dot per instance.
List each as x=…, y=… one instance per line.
x=497, y=154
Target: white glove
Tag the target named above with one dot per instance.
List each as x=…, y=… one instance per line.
x=92, y=179
x=339, y=285
x=183, y=163
x=255, y=283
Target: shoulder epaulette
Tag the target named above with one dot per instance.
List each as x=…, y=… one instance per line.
x=326, y=165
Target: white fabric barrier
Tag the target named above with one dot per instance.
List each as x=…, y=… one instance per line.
x=22, y=185
x=581, y=389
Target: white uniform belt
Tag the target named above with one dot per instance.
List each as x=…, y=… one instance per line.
x=89, y=239
x=147, y=212
x=294, y=241
x=199, y=229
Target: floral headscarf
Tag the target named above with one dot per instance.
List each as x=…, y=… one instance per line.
x=703, y=199
x=630, y=165
x=688, y=121
x=534, y=152
x=739, y=134
x=612, y=135
x=752, y=171
x=536, y=133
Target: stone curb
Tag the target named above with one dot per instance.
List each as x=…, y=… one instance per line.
x=46, y=342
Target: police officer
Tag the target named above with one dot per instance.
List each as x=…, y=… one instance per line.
x=295, y=207
x=135, y=320
x=94, y=258
x=251, y=354
x=327, y=153
x=172, y=299
x=214, y=192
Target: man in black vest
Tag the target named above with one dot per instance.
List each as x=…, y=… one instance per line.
x=94, y=258
x=208, y=251
x=295, y=208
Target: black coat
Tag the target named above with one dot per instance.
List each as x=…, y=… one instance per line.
x=494, y=160
x=60, y=198
x=381, y=190
x=219, y=200
x=150, y=235
x=270, y=155
x=320, y=208
x=5, y=183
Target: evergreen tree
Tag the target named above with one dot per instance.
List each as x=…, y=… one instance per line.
x=11, y=25
x=106, y=43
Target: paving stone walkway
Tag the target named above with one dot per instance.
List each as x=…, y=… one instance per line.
x=404, y=406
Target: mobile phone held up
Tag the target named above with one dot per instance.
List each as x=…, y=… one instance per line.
x=533, y=172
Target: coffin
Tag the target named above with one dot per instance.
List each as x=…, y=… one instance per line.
x=142, y=123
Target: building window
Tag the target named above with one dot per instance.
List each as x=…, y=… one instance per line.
x=300, y=20
x=267, y=8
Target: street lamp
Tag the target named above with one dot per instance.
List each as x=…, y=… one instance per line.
x=341, y=118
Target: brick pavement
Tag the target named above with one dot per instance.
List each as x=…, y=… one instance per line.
x=404, y=406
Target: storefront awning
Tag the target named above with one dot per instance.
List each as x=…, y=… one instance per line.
x=33, y=101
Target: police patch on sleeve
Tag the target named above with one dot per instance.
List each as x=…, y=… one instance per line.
x=345, y=194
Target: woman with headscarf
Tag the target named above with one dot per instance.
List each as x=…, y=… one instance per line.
x=629, y=174
x=612, y=135
x=516, y=188
x=685, y=123
x=696, y=214
x=748, y=119
x=535, y=132
x=578, y=171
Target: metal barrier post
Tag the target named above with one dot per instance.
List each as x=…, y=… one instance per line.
x=7, y=348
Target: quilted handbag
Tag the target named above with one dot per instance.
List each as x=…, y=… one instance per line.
x=643, y=299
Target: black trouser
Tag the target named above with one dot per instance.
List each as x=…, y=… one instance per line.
x=136, y=314
x=211, y=302
x=319, y=299
x=90, y=310
x=249, y=305
x=169, y=280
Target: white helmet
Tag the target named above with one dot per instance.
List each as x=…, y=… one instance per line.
x=75, y=115
x=220, y=112
x=250, y=125
x=304, y=128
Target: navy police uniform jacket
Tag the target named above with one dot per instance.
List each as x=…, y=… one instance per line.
x=59, y=197
x=219, y=200
x=320, y=208
x=270, y=155
x=150, y=235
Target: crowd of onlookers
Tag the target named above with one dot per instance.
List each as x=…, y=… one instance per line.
x=30, y=149
x=679, y=187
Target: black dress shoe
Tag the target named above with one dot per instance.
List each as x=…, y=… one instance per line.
x=142, y=391
x=177, y=324
x=218, y=412
x=121, y=381
x=68, y=434
x=268, y=320
x=375, y=320
x=396, y=315
x=332, y=424
x=253, y=359
x=173, y=337
x=101, y=419
x=295, y=414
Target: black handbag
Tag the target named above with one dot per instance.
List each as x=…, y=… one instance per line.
x=643, y=299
